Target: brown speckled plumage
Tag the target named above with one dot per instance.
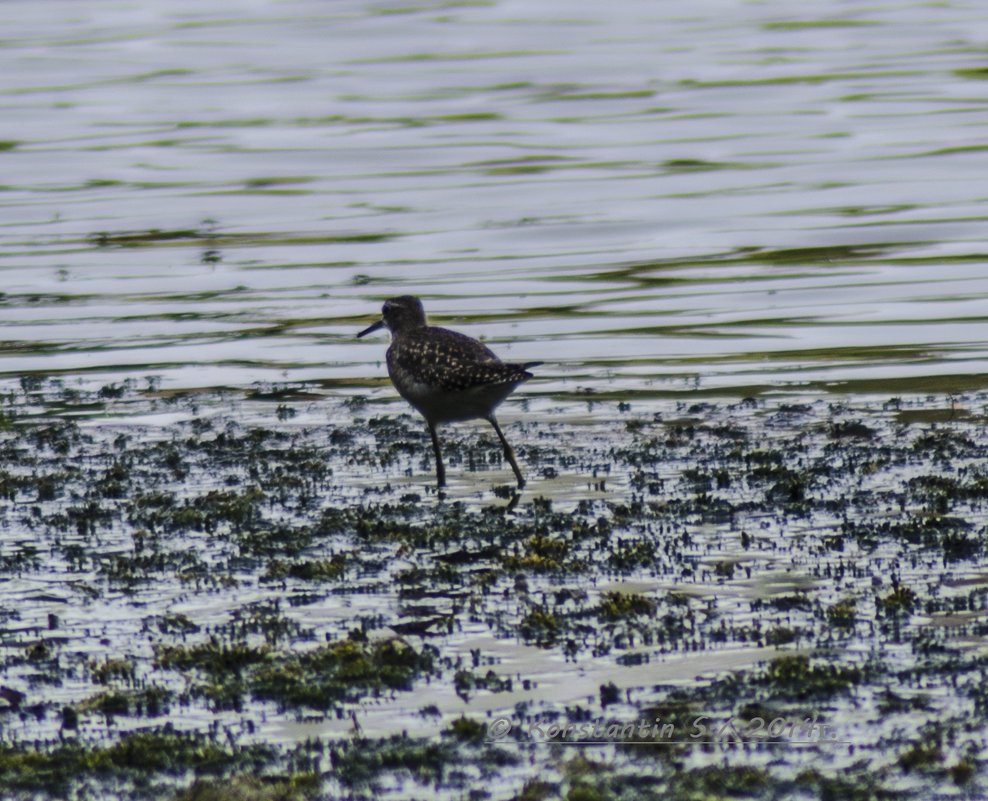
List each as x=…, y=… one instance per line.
x=449, y=361
x=445, y=375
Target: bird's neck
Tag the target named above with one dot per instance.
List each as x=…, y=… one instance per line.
x=408, y=329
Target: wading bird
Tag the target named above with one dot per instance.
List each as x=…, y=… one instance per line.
x=445, y=375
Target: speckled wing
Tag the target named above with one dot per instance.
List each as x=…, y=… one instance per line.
x=450, y=361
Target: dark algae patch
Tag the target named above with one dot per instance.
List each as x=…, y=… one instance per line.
x=348, y=670
x=207, y=598
x=134, y=765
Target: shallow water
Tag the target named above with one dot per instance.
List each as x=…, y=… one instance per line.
x=652, y=198
x=746, y=525
x=661, y=201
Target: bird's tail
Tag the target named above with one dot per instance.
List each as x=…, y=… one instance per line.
x=524, y=368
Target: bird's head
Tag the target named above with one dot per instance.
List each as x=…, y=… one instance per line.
x=403, y=313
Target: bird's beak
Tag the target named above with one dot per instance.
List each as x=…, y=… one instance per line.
x=371, y=329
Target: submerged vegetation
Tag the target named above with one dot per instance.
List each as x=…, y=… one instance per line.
x=175, y=597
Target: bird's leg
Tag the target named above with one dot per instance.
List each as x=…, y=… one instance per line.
x=508, y=452
x=440, y=470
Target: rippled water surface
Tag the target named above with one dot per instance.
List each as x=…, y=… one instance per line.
x=651, y=197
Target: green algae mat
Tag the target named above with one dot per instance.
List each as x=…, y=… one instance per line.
x=261, y=596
